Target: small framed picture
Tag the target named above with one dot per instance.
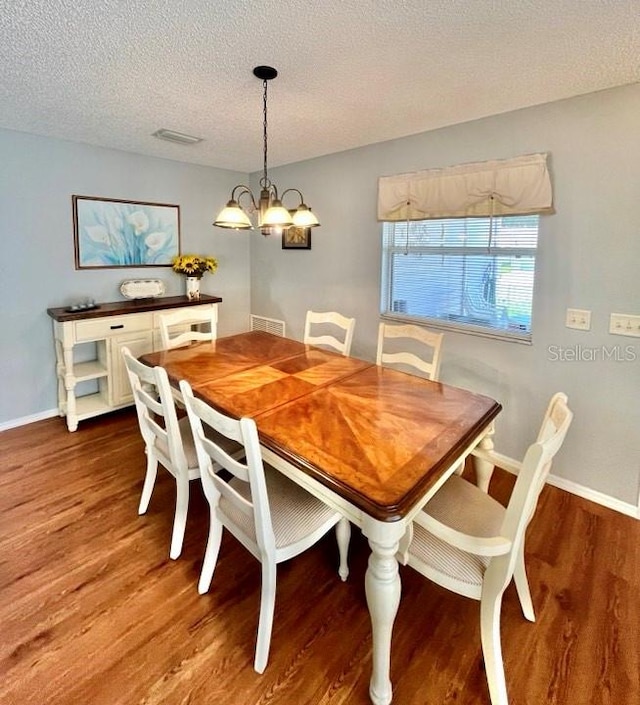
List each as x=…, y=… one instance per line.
x=295, y=238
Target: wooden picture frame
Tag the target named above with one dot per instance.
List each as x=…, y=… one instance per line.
x=110, y=233
x=295, y=238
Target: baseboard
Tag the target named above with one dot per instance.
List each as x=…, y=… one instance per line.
x=595, y=496
x=24, y=420
x=603, y=500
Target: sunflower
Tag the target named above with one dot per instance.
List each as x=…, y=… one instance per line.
x=194, y=265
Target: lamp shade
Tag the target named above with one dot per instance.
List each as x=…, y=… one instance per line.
x=304, y=218
x=232, y=216
x=277, y=215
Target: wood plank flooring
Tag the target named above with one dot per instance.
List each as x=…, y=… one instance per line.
x=93, y=611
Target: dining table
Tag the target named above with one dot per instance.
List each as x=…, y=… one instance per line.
x=374, y=443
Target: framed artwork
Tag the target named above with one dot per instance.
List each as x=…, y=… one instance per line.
x=111, y=233
x=295, y=238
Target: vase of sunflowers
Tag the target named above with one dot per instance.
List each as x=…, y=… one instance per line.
x=194, y=267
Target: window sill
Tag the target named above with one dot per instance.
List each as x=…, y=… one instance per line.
x=467, y=328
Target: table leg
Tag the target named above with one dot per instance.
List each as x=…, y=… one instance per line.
x=484, y=468
x=382, y=587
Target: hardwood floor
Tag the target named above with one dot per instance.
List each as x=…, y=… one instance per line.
x=94, y=612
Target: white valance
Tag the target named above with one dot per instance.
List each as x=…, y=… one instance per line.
x=518, y=186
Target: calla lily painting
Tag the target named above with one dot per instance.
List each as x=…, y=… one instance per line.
x=113, y=233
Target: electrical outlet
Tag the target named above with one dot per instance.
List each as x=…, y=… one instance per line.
x=624, y=324
x=578, y=319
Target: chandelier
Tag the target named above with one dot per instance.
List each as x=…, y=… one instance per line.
x=273, y=217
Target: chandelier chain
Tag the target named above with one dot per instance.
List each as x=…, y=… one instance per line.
x=265, y=178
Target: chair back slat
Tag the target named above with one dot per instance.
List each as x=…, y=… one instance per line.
x=184, y=319
x=326, y=323
x=414, y=338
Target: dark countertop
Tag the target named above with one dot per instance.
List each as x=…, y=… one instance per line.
x=116, y=308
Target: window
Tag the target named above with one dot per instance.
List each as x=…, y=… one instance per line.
x=472, y=274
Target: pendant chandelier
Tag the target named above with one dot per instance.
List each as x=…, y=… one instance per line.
x=273, y=217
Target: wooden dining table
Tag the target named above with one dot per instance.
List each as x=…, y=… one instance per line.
x=372, y=442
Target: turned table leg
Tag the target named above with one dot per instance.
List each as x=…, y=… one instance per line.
x=484, y=468
x=382, y=587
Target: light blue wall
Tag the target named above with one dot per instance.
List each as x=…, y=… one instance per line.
x=37, y=179
x=589, y=258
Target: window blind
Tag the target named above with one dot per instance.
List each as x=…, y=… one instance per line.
x=470, y=273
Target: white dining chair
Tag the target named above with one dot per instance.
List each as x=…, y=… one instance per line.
x=324, y=325
x=271, y=516
x=467, y=542
x=177, y=327
x=418, y=348
x=168, y=440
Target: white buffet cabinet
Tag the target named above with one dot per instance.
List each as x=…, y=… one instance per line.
x=108, y=327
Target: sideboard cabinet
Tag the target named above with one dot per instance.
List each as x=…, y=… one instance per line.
x=106, y=329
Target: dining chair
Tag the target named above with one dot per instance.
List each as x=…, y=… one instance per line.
x=176, y=327
x=412, y=337
x=467, y=542
x=168, y=440
x=329, y=320
x=271, y=516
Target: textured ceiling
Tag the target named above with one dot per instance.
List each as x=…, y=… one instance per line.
x=351, y=72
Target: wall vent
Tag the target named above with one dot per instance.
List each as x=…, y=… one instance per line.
x=268, y=325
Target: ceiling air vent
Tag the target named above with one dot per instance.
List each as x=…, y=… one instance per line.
x=178, y=137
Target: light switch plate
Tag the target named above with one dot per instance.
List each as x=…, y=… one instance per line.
x=624, y=324
x=578, y=318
